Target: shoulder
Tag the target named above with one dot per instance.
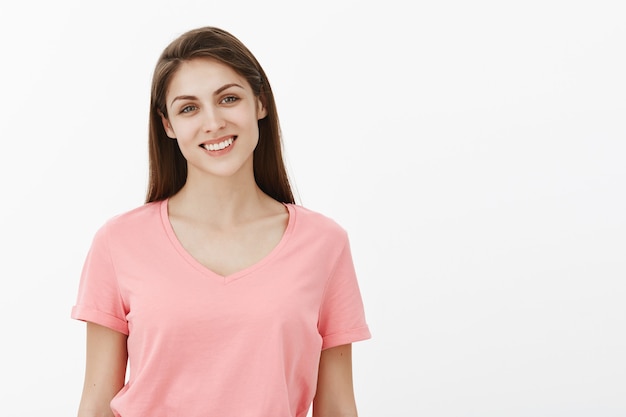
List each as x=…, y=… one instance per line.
x=133, y=222
x=307, y=220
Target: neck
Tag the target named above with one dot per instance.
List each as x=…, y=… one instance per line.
x=218, y=200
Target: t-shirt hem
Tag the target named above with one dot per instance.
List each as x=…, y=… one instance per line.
x=343, y=338
x=83, y=313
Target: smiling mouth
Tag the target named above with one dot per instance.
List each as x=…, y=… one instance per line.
x=220, y=145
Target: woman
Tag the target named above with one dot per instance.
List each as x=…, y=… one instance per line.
x=224, y=297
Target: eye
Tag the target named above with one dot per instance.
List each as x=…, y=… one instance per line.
x=229, y=99
x=188, y=109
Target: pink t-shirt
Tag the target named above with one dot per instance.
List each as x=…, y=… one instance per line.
x=201, y=344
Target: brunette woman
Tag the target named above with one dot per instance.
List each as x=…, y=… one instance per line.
x=223, y=296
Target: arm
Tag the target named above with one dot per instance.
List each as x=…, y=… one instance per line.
x=105, y=370
x=335, y=393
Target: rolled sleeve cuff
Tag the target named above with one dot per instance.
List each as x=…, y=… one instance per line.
x=343, y=338
x=83, y=313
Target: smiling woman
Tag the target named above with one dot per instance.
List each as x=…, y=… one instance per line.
x=226, y=297
x=207, y=103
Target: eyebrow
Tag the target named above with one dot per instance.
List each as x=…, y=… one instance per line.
x=218, y=91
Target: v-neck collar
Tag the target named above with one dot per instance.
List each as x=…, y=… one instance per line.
x=169, y=230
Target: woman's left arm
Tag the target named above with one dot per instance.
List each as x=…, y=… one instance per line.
x=335, y=391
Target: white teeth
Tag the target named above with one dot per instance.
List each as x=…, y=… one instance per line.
x=219, y=146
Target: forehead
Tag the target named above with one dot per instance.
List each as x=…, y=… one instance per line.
x=203, y=76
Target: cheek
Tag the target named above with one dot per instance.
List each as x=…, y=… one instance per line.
x=183, y=129
x=248, y=118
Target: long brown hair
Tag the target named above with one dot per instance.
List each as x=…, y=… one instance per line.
x=168, y=167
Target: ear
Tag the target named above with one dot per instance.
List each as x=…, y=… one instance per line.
x=167, y=126
x=261, y=111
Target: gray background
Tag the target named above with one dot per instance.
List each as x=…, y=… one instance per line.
x=473, y=150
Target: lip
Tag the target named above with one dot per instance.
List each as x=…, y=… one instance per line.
x=218, y=140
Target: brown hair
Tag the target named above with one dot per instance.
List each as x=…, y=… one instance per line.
x=168, y=167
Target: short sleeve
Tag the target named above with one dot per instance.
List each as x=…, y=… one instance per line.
x=342, y=315
x=99, y=300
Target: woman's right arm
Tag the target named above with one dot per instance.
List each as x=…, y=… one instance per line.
x=105, y=370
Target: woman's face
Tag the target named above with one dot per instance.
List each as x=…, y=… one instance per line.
x=214, y=115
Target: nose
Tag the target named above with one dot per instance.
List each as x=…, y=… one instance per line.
x=213, y=119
